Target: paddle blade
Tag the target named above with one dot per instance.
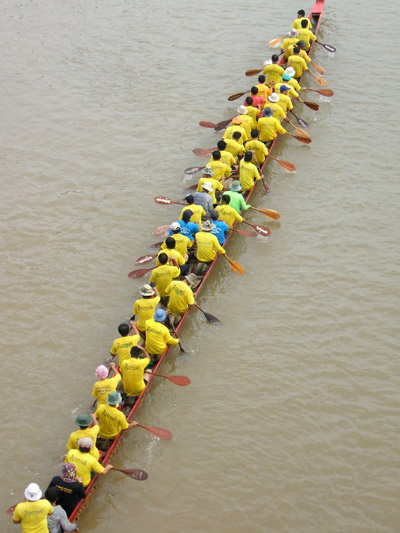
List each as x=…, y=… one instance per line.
x=163, y=200
x=236, y=267
x=253, y=71
x=275, y=42
x=305, y=140
x=286, y=165
x=211, y=319
x=145, y=259
x=236, y=96
x=266, y=188
x=319, y=69
x=311, y=105
x=302, y=122
x=134, y=473
x=161, y=433
x=303, y=133
x=245, y=232
x=327, y=47
x=325, y=92
x=182, y=381
x=156, y=244
x=11, y=509
x=202, y=151
x=206, y=124
x=193, y=170
x=222, y=125
x=162, y=230
x=319, y=80
x=262, y=230
x=138, y=273
x=270, y=213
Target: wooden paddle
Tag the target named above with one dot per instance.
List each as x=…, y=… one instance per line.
x=253, y=71
x=266, y=188
x=274, y=43
x=299, y=131
x=270, y=213
x=206, y=124
x=156, y=244
x=223, y=124
x=163, y=200
x=326, y=46
x=140, y=272
x=324, y=92
x=203, y=151
x=312, y=105
x=162, y=230
x=193, y=170
x=236, y=96
x=319, y=80
x=245, y=232
x=300, y=120
x=134, y=473
x=176, y=335
x=236, y=267
x=161, y=433
x=177, y=380
x=304, y=140
x=262, y=230
x=210, y=318
x=145, y=259
x=319, y=69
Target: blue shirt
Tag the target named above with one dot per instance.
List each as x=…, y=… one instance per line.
x=220, y=231
x=187, y=228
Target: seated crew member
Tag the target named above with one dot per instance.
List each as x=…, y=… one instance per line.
x=236, y=126
x=134, y=373
x=145, y=306
x=236, y=199
x=260, y=151
x=300, y=17
x=273, y=71
x=258, y=100
x=226, y=157
x=289, y=80
x=84, y=421
x=122, y=346
x=292, y=39
x=110, y=419
x=247, y=121
x=221, y=228
x=70, y=488
x=58, y=521
x=162, y=276
x=180, y=297
x=32, y=514
x=158, y=335
x=306, y=34
x=188, y=228
x=284, y=100
x=220, y=170
x=291, y=91
x=273, y=103
x=297, y=63
x=217, y=185
x=263, y=89
x=269, y=127
x=83, y=461
x=227, y=213
x=207, y=246
x=204, y=199
x=252, y=111
x=182, y=242
x=175, y=258
x=248, y=172
x=302, y=45
x=198, y=212
x=105, y=385
x=234, y=146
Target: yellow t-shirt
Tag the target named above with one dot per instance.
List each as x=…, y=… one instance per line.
x=273, y=72
x=226, y=157
x=162, y=277
x=287, y=42
x=132, y=372
x=102, y=388
x=294, y=83
x=180, y=297
x=234, y=147
x=253, y=112
x=84, y=463
x=247, y=124
x=285, y=103
x=269, y=128
x=216, y=186
x=144, y=309
x=248, y=174
x=302, y=53
x=220, y=169
x=297, y=23
x=122, y=346
x=231, y=130
x=259, y=149
x=111, y=421
x=306, y=36
x=171, y=252
x=157, y=337
x=298, y=64
x=207, y=246
x=277, y=109
x=263, y=91
x=33, y=516
x=198, y=212
x=228, y=214
x=182, y=243
x=292, y=92
x=92, y=432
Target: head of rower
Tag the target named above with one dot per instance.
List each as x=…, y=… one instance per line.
x=254, y=91
x=275, y=58
x=216, y=156
x=221, y=145
x=225, y=199
x=301, y=13
x=170, y=243
x=123, y=329
x=249, y=101
x=163, y=259
x=261, y=78
x=187, y=215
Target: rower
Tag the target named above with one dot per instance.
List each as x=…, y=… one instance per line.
x=236, y=126
x=32, y=514
x=145, y=306
x=263, y=89
x=198, y=212
x=182, y=243
x=306, y=35
x=226, y=157
x=248, y=172
x=284, y=100
x=273, y=71
x=70, y=488
x=84, y=421
x=258, y=100
x=105, y=385
x=290, y=81
x=292, y=39
x=180, y=297
x=234, y=145
x=252, y=111
x=273, y=103
x=188, y=228
x=216, y=170
x=236, y=199
x=292, y=93
x=217, y=186
x=204, y=199
x=227, y=213
x=122, y=346
x=260, y=151
x=175, y=258
x=207, y=246
x=300, y=17
x=221, y=228
x=158, y=335
x=302, y=45
x=297, y=62
x=269, y=127
x=81, y=458
x=162, y=276
x=111, y=421
x=247, y=121
x=134, y=373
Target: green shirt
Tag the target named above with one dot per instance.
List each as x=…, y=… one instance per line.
x=237, y=201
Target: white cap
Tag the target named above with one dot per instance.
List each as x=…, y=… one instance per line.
x=175, y=226
x=86, y=442
x=293, y=33
x=290, y=71
x=33, y=492
x=242, y=110
x=267, y=62
x=273, y=98
x=207, y=186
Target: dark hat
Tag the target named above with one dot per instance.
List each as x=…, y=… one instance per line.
x=83, y=420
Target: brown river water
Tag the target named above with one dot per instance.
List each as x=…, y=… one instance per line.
x=291, y=423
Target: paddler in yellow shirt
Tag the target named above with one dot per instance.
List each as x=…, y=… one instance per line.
x=33, y=512
x=105, y=385
x=259, y=150
x=302, y=45
x=134, y=373
x=84, y=421
x=83, y=461
x=292, y=39
x=269, y=127
x=180, y=297
x=182, y=243
x=162, y=275
x=306, y=35
x=236, y=127
x=145, y=306
x=248, y=172
x=174, y=257
x=207, y=246
x=263, y=90
x=226, y=157
x=301, y=15
x=220, y=170
x=252, y=111
x=247, y=121
x=272, y=70
x=158, y=335
x=289, y=80
x=122, y=346
x=227, y=213
x=284, y=100
x=273, y=103
x=197, y=211
x=110, y=419
x=235, y=145
x=297, y=63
